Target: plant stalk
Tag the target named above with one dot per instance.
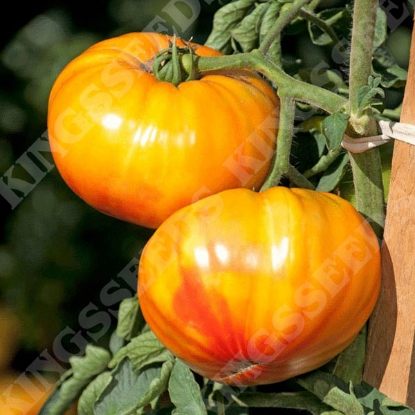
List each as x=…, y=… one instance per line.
x=287, y=85
x=284, y=142
x=366, y=167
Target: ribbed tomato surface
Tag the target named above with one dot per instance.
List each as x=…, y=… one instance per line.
x=138, y=148
x=253, y=288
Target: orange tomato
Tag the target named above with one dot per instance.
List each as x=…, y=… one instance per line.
x=254, y=288
x=22, y=394
x=139, y=149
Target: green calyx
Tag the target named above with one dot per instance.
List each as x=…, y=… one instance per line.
x=167, y=66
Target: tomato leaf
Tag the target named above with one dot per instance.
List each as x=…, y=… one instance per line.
x=159, y=384
x=381, y=28
x=129, y=390
x=245, y=36
x=349, y=363
x=84, y=369
x=225, y=19
x=302, y=400
x=143, y=350
x=185, y=392
x=268, y=20
x=348, y=398
x=334, y=173
x=92, y=393
x=130, y=319
x=333, y=129
x=393, y=76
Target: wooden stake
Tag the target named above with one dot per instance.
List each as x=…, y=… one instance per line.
x=390, y=359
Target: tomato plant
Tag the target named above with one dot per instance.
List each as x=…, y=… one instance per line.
x=256, y=288
x=138, y=148
x=268, y=284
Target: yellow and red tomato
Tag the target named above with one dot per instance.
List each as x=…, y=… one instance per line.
x=253, y=288
x=139, y=149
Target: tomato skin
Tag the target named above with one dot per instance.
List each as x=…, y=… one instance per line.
x=254, y=288
x=139, y=149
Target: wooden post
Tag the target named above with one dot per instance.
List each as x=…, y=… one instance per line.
x=390, y=359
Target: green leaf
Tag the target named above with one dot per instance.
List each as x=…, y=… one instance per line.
x=350, y=400
x=246, y=34
x=115, y=343
x=343, y=401
x=129, y=390
x=382, y=57
x=270, y=16
x=91, y=364
x=185, y=392
x=225, y=19
x=332, y=391
x=337, y=18
x=142, y=350
x=393, y=77
x=84, y=369
x=333, y=129
x=159, y=384
x=371, y=398
x=381, y=28
x=349, y=363
x=334, y=173
x=92, y=393
x=130, y=320
x=284, y=400
x=368, y=95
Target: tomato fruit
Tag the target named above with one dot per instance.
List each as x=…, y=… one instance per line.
x=138, y=149
x=253, y=288
x=24, y=394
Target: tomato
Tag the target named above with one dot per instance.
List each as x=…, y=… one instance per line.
x=24, y=394
x=253, y=288
x=138, y=149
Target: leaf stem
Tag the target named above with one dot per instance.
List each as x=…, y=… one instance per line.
x=286, y=16
x=298, y=179
x=324, y=162
x=287, y=85
x=311, y=17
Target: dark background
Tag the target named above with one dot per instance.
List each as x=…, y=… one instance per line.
x=58, y=255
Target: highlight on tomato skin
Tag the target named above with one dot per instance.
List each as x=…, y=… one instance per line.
x=139, y=149
x=255, y=288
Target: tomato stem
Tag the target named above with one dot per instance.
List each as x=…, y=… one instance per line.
x=167, y=65
x=366, y=167
x=287, y=85
x=281, y=165
x=324, y=162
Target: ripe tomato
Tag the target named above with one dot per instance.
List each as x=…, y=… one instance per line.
x=254, y=288
x=24, y=394
x=139, y=149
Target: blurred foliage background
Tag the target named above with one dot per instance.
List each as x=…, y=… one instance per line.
x=56, y=253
